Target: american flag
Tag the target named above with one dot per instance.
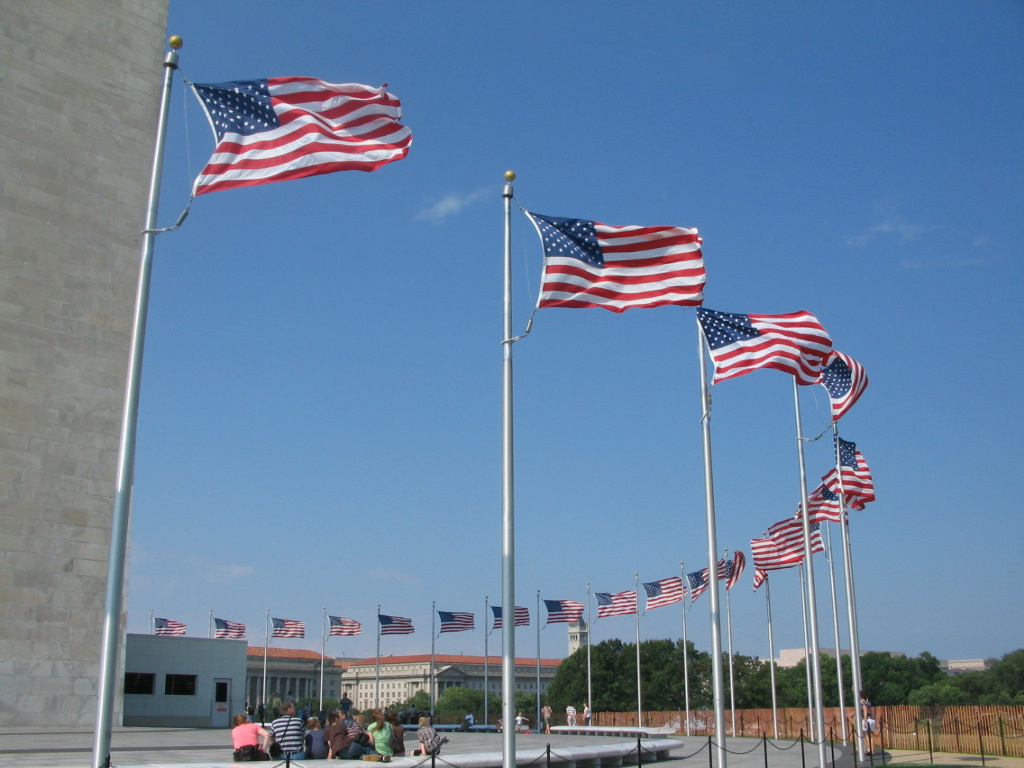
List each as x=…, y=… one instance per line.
x=784, y=545
x=857, y=484
x=225, y=629
x=845, y=380
x=822, y=504
x=619, y=604
x=292, y=127
x=455, y=621
x=795, y=343
x=168, y=627
x=664, y=592
x=589, y=264
x=736, y=567
x=760, y=577
x=341, y=627
x=522, y=616
x=288, y=628
x=698, y=581
x=395, y=625
x=563, y=611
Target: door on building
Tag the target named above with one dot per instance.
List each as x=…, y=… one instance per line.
x=221, y=716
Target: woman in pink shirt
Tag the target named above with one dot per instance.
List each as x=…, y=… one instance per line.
x=249, y=740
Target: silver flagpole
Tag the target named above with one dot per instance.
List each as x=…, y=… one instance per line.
x=709, y=505
x=508, y=554
x=771, y=652
x=433, y=617
x=686, y=650
x=851, y=601
x=114, y=595
x=728, y=625
x=152, y=623
x=323, y=652
x=536, y=721
x=639, y=695
x=266, y=642
x=835, y=632
x=590, y=628
x=487, y=687
x=376, y=695
x=209, y=631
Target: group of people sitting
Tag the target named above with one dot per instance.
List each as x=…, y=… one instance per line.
x=289, y=737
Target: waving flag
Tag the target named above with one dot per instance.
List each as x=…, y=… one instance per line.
x=795, y=343
x=394, y=625
x=292, y=127
x=168, y=627
x=737, y=565
x=344, y=627
x=563, y=611
x=698, y=581
x=857, y=484
x=522, y=617
x=288, y=628
x=589, y=264
x=455, y=621
x=845, y=380
x=784, y=545
x=822, y=504
x=619, y=604
x=760, y=577
x=224, y=629
x=664, y=592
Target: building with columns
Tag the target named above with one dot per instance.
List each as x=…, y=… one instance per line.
x=291, y=670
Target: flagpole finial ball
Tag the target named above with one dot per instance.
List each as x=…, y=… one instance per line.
x=175, y=42
x=510, y=175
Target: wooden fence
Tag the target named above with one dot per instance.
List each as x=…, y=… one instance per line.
x=970, y=730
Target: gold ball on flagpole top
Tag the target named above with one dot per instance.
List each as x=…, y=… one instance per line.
x=510, y=175
x=175, y=42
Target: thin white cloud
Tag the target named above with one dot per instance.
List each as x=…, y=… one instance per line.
x=905, y=230
x=451, y=204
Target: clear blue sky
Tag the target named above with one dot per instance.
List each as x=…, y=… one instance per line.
x=321, y=399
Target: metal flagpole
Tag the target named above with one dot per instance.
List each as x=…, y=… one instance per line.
x=266, y=643
x=771, y=651
x=686, y=650
x=728, y=625
x=712, y=551
x=807, y=648
x=537, y=714
x=590, y=627
x=639, y=707
x=433, y=618
x=508, y=555
x=152, y=623
x=851, y=600
x=487, y=687
x=835, y=632
x=114, y=596
x=812, y=608
x=323, y=652
x=209, y=631
x=376, y=695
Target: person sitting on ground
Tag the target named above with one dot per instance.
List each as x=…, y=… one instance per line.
x=249, y=740
x=397, y=734
x=316, y=743
x=380, y=733
x=430, y=742
x=467, y=722
x=340, y=740
x=290, y=733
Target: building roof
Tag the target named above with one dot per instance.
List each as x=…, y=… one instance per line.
x=424, y=658
x=287, y=653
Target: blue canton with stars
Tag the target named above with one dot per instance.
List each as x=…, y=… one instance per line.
x=848, y=453
x=722, y=328
x=242, y=107
x=574, y=238
x=837, y=378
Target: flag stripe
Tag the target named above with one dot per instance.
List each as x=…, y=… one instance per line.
x=563, y=611
x=341, y=627
x=618, y=604
x=664, y=592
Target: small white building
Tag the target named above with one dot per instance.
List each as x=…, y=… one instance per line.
x=184, y=682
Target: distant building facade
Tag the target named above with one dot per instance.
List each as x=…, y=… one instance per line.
x=790, y=657
x=579, y=636
x=291, y=671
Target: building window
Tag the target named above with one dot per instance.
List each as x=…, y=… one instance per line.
x=139, y=682
x=180, y=685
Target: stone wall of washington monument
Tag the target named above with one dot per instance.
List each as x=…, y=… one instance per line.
x=79, y=96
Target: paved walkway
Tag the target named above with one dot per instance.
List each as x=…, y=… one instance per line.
x=71, y=747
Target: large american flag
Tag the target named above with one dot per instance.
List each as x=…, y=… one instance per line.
x=845, y=380
x=822, y=504
x=455, y=621
x=618, y=604
x=784, y=545
x=795, y=343
x=663, y=592
x=857, y=483
x=224, y=629
x=563, y=611
x=342, y=627
x=589, y=264
x=292, y=127
x=168, y=627
x=736, y=567
x=394, y=625
x=288, y=628
x=698, y=581
x=522, y=617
